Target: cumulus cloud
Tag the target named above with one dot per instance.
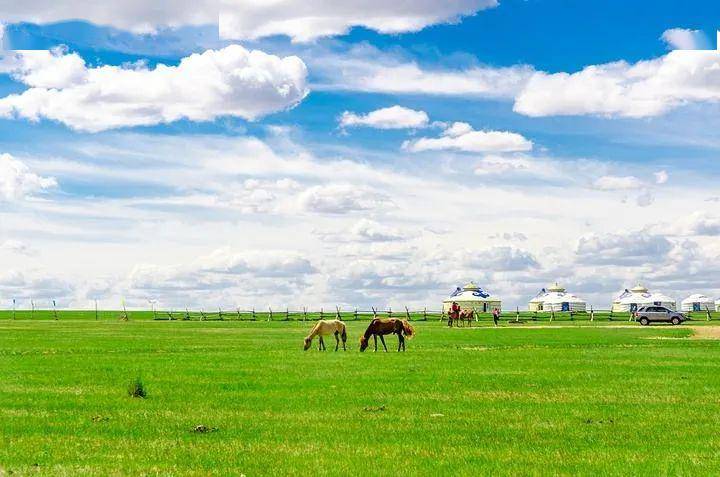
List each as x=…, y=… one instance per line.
x=341, y=199
x=306, y=20
x=394, y=117
x=643, y=89
x=637, y=248
x=17, y=181
x=701, y=223
x=462, y=137
x=371, y=231
x=23, y=285
x=228, y=82
x=685, y=39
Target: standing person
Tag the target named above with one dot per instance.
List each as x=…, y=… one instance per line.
x=496, y=315
x=454, y=313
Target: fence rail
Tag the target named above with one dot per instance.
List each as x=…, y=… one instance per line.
x=312, y=315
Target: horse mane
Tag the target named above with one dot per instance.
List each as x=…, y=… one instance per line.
x=408, y=329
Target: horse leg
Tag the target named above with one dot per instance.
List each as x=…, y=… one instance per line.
x=401, y=342
x=322, y=344
x=382, y=338
x=337, y=341
x=375, y=338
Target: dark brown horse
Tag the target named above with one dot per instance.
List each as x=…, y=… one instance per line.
x=378, y=327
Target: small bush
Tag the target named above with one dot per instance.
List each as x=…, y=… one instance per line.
x=137, y=389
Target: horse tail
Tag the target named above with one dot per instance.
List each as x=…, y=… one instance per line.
x=408, y=330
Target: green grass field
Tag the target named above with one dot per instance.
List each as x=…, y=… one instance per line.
x=576, y=398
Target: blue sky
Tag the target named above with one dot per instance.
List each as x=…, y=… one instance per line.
x=377, y=158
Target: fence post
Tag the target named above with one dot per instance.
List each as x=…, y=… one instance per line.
x=517, y=314
x=170, y=315
x=374, y=312
x=254, y=316
x=389, y=312
x=187, y=314
x=571, y=315
x=407, y=313
x=322, y=314
x=287, y=314
x=355, y=315
x=552, y=314
x=707, y=310
x=32, y=309
x=270, y=316
x=425, y=314
x=304, y=313
x=220, y=315
x=238, y=313
x=535, y=315
x=592, y=314
x=96, y=311
x=337, y=313
x=13, y=308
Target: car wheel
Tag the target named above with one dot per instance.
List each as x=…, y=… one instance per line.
x=644, y=321
x=675, y=320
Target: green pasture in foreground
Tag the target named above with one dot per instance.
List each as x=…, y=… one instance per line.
x=513, y=400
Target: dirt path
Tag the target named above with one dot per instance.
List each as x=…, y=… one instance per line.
x=706, y=332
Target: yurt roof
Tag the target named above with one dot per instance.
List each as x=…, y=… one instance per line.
x=631, y=297
x=560, y=297
x=471, y=292
x=639, y=289
x=698, y=298
x=556, y=294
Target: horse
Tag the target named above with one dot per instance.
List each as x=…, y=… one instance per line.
x=378, y=327
x=467, y=315
x=324, y=328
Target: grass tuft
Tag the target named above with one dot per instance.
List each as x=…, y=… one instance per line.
x=136, y=389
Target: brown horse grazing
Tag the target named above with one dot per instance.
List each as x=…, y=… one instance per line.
x=378, y=327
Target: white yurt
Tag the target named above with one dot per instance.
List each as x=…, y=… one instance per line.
x=472, y=297
x=697, y=302
x=630, y=300
x=717, y=305
x=556, y=298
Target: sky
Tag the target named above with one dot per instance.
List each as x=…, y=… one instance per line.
x=285, y=153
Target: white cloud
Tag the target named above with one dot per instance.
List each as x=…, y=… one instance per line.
x=501, y=259
x=638, y=248
x=685, y=39
x=617, y=183
x=661, y=177
x=16, y=246
x=231, y=81
x=139, y=16
x=17, y=181
x=394, y=117
x=306, y=20
x=462, y=137
x=342, y=199
x=700, y=223
x=644, y=89
x=371, y=231
x=365, y=68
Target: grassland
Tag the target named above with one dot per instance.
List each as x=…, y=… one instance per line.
x=574, y=398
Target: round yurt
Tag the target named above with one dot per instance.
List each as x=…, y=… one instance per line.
x=556, y=298
x=472, y=297
x=630, y=300
x=697, y=302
